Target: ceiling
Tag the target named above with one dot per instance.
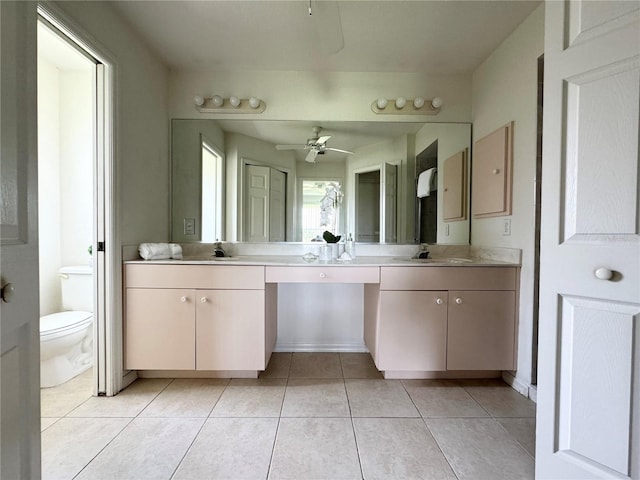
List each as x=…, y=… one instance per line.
x=446, y=37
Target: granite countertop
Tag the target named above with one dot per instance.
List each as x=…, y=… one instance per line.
x=364, y=261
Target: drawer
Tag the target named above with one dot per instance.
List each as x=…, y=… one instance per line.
x=323, y=274
x=448, y=278
x=230, y=277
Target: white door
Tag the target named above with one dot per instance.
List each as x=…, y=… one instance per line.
x=256, y=204
x=19, y=309
x=277, y=206
x=589, y=345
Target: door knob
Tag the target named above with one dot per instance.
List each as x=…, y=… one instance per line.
x=8, y=291
x=603, y=273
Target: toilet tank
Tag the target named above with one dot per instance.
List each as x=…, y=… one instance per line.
x=77, y=288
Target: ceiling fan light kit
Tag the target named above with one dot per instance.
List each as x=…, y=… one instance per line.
x=404, y=106
x=233, y=104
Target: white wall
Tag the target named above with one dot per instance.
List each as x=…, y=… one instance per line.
x=322, y=95
x=504, y=89
x=49, y=187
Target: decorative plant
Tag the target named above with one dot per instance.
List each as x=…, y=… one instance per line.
x=90, y=249
x=330, y=237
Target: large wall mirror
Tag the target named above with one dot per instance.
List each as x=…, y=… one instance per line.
x=268, y=180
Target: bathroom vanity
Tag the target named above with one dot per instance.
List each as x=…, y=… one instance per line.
x=221, y=316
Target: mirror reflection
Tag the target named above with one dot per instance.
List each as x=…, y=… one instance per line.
x=267, y=180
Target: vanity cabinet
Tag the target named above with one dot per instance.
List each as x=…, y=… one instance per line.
x=444, y=318
x=218, y=322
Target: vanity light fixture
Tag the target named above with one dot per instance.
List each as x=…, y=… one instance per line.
x=233, y=104
x=418, y=106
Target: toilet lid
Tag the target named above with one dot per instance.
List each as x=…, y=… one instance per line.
x=62, y=320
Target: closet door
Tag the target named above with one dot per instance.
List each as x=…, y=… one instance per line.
x=277, y=203
x=256, y=203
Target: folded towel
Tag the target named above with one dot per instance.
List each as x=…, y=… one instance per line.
x=160, y=251
x=425, y=181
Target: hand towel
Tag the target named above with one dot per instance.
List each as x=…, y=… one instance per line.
x=425, y=180
x=160, y=251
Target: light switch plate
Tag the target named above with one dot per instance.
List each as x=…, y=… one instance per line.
x=189, y=226
x=506, y=227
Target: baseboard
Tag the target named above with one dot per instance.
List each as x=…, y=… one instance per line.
x=198, y=373
x=443, y=375
x=327, y=347
x=518, y=385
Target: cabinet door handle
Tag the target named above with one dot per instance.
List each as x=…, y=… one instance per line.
x=183, y=299
x=323, y=275
x=204, y=300
x=439, y=301
x=458, y=300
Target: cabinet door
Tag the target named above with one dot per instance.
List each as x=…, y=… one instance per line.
x=412, y=331
x=159, y=329
x=481, y=330
x=230, y=330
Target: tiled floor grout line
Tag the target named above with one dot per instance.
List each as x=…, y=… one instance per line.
x=186, y=452
x=275, y=436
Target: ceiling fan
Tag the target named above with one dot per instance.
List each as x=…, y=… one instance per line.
x=316, y=145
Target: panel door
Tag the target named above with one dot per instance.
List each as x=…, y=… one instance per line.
x=159, y=331
x=481, y=330
x=412, y=331
x=230, y=330
x=256, y=203
x=454, y=187
x=589, y=336
x=277, y=206
x=19, y=309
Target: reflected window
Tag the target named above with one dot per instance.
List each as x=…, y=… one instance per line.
x=211, y=194
x=321, y=208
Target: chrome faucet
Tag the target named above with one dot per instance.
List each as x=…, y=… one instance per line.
x=218, y=251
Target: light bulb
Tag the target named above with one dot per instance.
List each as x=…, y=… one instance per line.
x=400, y=102
x=217, y=101
x=254, y=102
x=198, y=100
x=382, y=103
x=418, y=103
x=234, y=101
x=436, y=102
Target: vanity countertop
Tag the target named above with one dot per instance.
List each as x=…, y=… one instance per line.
x=297, y=260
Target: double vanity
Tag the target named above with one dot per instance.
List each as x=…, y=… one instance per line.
x=220, y=317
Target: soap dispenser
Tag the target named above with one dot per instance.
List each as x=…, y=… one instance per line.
x=218, y=251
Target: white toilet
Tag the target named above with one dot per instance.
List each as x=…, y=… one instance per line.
x=66, y=338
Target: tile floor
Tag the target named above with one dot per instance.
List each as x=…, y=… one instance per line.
x=309, y=416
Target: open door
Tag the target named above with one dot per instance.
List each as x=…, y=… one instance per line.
x=390, y=198
x=19, y=308
x=588, y=422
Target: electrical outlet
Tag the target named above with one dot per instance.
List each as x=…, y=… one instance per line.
x=189, y=226
x=506, y=227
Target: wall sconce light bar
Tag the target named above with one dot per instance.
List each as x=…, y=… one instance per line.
x=233, y=104
x=405, y=106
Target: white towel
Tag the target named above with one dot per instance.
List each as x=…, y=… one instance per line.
x=160, y=251
x=425, y=180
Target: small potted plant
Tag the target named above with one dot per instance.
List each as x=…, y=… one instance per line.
x=332, y=241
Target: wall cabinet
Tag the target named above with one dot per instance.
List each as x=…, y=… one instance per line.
x=443, y=318
x=220, y=326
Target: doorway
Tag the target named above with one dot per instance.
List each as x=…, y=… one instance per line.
x=75, y=143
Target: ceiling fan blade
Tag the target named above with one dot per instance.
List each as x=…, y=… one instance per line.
x=311, y=156
x=339, y=150
x=290, y=147
x=323, y=139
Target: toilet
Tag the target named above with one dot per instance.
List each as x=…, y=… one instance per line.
x=66, y=338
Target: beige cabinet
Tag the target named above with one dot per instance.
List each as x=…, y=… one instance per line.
x=481, y=330
x=219, y=323
x=413, y=331
x=159, y=329
x=442, y=318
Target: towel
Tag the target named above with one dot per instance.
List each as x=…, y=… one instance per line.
x=425, y=180
x=160, y=251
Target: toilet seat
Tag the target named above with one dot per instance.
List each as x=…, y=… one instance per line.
x=63, y=323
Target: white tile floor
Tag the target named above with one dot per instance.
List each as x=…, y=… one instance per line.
x=309, y=416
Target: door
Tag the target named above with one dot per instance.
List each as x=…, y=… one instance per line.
x=589, y=358
x=277, y=206
x=390, y=196
x=19, y=311
x=256, y=203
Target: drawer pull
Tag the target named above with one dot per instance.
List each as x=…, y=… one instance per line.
x=603, y=273
x=439, y=301
x=203, y=299
x=496, y=171
x=323, y=275
x=183, y=299
x=458, y=300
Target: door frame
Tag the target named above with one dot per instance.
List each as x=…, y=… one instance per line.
x=109, y=376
